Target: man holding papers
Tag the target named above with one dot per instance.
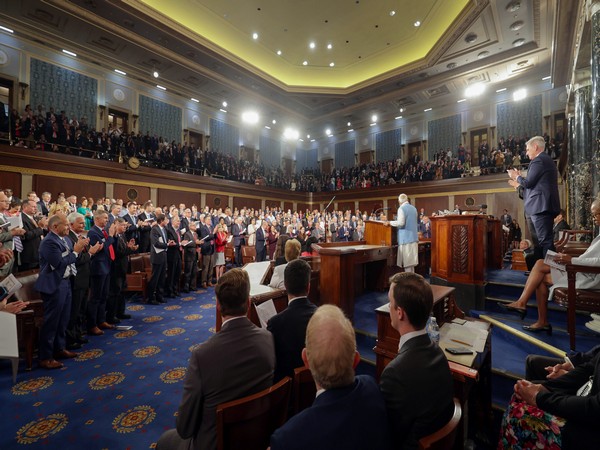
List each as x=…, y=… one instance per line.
x=158, y=257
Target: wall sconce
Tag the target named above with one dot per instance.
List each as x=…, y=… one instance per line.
x=23, y=87
x=102, y=108
x=135, y=118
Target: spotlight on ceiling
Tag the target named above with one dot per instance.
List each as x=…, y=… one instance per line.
x=155, y=74
x=312, y=45
x=374, y=118
x=417, y=23
x=328, y=131
x=474, y=90
x=305, y=63
x=224, y=104
x=255, y=36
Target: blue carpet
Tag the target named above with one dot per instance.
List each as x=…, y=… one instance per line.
x=365, y=319
x=123, y=389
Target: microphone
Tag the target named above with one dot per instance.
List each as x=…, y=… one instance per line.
x=378, y=210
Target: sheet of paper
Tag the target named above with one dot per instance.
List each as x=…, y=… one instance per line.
x=265, y=311
x=455, y=335
x=11, y=284
x=549, y=259
x=15, y=222
x=158, y=250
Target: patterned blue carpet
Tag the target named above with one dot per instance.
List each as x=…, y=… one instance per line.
x=123, y=389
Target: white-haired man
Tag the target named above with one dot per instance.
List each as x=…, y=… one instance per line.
x=407, y=222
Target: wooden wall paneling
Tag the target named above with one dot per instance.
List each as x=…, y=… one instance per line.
x=431, y=204
x=121, y=190
x=288, y=205
x=509, y=201
x=270, y=203
x=478, y=200
x=304, y=206
x=345, y=206
x=245, y=202
x=368, y=206
x=217, y=201
x=70, y=186
x=12, y=180
x=172, y=197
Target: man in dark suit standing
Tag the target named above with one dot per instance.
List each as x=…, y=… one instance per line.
x=344, y=233
x=239, y=232
x=80, y=283
x=261, y=238
x=43, y=205
x=158, y=256
x=34, y=232
x=236, y=362
x=145, y=224
x=540, y=194
x=208, y=251
x=190, y=258
x=174, y=254
x=57, y=265
x=349, y=413
x=100, y=270
x=289, y=326
x=132, y=231
x=416, y=384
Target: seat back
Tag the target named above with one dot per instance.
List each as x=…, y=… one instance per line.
x=249, y=422
x=248, y=254
x=304, y=389
x=27, y=291
x=443, y=439
x=136, y=263
x=229, y=251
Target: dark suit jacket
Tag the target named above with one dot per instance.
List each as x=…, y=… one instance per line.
x=237, y=361
x=418, y=389
x=342, y=236
x=173, y=251
x=82, y=279
x=189, y=251
x=42, y=208
x=55, y=256
x=289, y=332
x=31, y=240
x=238, y=239
x=541, y=187
x=560, y=226
x=132, y=231
x=208, y=245
x=158, y=241
x=581, y=413
x=120, y=264
x=260, y=239
x=100, y=264
x=348, y=418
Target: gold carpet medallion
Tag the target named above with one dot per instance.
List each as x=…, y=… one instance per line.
x=173, y=375
x=105, y=381
x=126, y=334
x=134, y=419
x=151, y=319
x=194, y=347
x=86, y=355
x=213, y=330
x=31, y=386
x=193, y=317
x=41, y=428
x=136, y=308
x=144, y=352
x=187, y=299
x=207, y=306
x=173, y=331
x=172, y=307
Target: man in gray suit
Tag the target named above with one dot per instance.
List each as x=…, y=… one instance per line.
x=237, y=361
x=417, y=385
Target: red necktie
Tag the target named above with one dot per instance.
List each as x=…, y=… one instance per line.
x=111, y=250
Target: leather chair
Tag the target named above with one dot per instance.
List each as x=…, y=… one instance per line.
x=443, y=439
x=229, y=253
x=29, y=320
x=137, y=279
x=569, y=244
x=577, y=299
x=147, y=264
x=304, y=389
x=248, y=254
x=249, y=422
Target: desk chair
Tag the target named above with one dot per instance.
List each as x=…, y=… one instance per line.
x=249, y=422
x=443, y=439
x=303, y=390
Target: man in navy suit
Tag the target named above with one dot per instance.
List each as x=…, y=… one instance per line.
x=349, y=411
x=416, y=384
x=57, y=266
x=158, y=257
x=344, y=233
x=238, y=230
x=261, y=237
x=100, y=273
x=540, y=193
x=289, y=326
x=34, y=233
x=207, y=248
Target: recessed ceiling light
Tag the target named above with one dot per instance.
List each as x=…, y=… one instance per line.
x=305, y=63
x=312, y=45
x=279, y=52
x=461, y=100
x=155, y=74
x=274, y=121
x=69, y=53
x=6, y=29
x=428, y=109
x=195, y=100
x=255, y=36
x=301, y=140
x=222, y=110
x=519, y=94
x=267, y=127
x=397, y=117
x=392, y=13
x=162, y=88
x=373, y=124
x=374, y=118
x=308, y=136
x=348, y=124
x=120, y=72
x=500, y=90
x=546, y=78
x=224, y=104
x=417, y=23
x=328, y=132
x=401, y=110
x=350, y=130
x=331, y=64
x=329, y=46
x=312, y=140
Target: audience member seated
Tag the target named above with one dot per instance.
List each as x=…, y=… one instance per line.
x=540, y=367
x=289, y=326
x=292, y=252
x=237, y=361
x=348, y=412
x=540, y=279
x=417, y=385
x=561, y=412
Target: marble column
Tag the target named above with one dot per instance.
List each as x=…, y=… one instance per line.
x=580, y=161
x=595, y=99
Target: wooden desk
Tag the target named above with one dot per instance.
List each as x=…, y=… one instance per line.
x=259, y=293
x=347, y=268
x=472, y=381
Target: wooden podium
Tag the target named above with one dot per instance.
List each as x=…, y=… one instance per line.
x=463, y=246
x=376, y=233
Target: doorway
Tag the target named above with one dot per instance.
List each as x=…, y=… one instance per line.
x=326, y=165
x=478, y=137
x=415, y=151
x=118, y=119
